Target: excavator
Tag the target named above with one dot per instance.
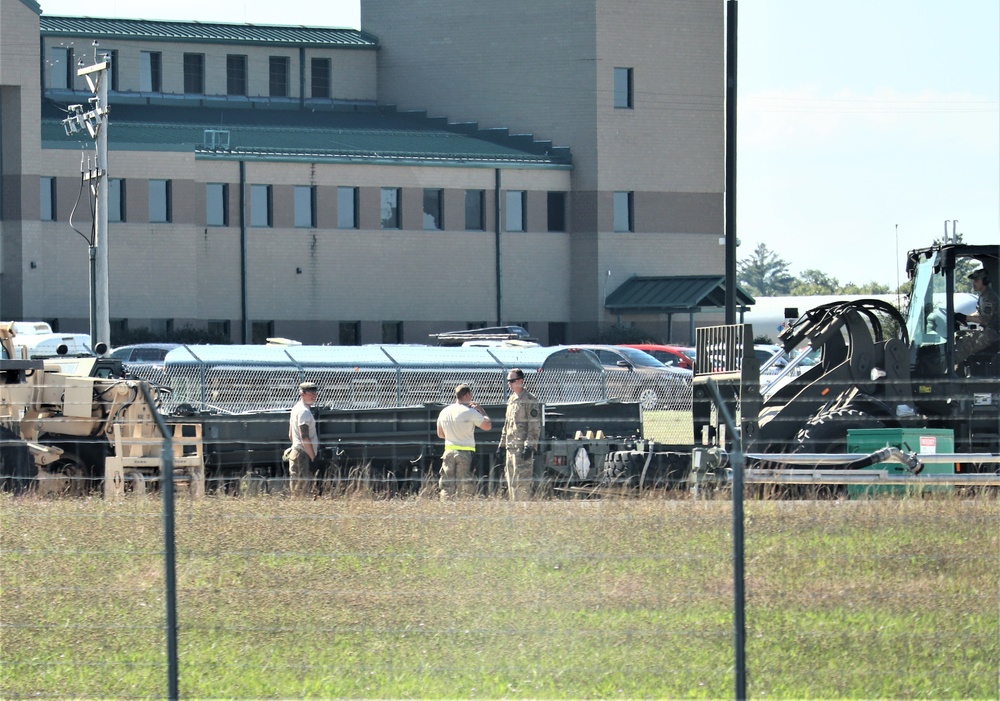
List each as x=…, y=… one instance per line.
x=876, y=368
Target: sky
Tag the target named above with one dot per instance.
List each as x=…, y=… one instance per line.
x=862, y=125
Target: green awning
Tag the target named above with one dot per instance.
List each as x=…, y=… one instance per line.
x=674, y=294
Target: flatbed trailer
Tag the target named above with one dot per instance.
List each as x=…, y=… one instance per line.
x=397, y=450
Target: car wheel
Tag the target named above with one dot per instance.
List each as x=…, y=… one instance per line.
x=649, y=399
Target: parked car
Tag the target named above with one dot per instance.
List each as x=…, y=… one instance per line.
x=764, y=352
x=671, y=356
x=143, y=352
x=632, y=375
x=145, y=361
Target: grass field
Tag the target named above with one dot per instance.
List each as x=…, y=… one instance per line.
x=357, y=598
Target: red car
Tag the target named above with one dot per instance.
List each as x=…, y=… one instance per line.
x=672, y=356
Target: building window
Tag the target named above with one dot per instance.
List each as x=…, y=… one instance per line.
x=150, y=71
x=390, y=208
x=350, y=333
x=218, y=331
x=347, y=207
x=260, y=331
x=515, y=210
x=557, y=211
x=623, y=88
x=47, y=198
x=278, y=76
x=236, y=74
x=159, y=201
x=433, y=210
x=624, y=219
x=164, y=328
x=62, y=70
x=474, y=210
x=217, y=204
x=194, y=74
x=113, y=70
x=392, y=332
x=557, y=333
x=305, y=206
x=261, y=214
x=321, y=77
x=116, y=200
x=119, y=330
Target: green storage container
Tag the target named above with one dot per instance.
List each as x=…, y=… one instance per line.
x=912, y=440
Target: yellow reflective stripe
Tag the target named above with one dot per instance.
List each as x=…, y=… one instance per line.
x=449, y=446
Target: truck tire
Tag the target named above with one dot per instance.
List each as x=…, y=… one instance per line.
x=17, y=470
x=73, y=479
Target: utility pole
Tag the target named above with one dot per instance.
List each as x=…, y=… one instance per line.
x=95, y=121
x=730, y=199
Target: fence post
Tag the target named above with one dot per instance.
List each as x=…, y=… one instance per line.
x=169, y=541
x=739, y=591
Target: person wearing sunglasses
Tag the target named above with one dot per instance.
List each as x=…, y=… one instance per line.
x=519, y=437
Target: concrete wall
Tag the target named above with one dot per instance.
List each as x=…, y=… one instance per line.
x=547, y=68
x=20, y=108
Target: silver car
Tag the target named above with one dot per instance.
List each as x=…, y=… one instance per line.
x=633, y=375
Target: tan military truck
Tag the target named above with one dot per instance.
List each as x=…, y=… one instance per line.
x=67, y=424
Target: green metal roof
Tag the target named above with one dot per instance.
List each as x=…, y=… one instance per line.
x=680, y=293
x=204, y=32
x=375, y=134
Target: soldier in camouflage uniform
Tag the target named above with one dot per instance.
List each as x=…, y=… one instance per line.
x=987, y=316
x=519, y=437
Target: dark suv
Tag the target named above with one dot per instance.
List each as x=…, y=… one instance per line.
x=144, y=352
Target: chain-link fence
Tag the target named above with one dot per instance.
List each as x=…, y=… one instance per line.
x=428, y=375
x=227, y=387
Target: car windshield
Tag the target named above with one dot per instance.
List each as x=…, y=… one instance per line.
x=640, y=359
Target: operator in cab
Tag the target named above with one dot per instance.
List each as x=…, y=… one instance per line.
x=987, y=316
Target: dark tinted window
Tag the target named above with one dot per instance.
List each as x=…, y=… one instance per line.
x=236, y=74
x=278, y=76
x=474, y=210
x=194, y=74
x=321, y=77
x=557, y=211
x=149, y=354
x=640, y=359
x=580, y=361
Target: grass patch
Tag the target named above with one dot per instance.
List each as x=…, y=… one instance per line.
x=668, y=426
x=353, y=598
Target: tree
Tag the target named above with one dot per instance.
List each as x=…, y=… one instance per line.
x=763, y=273
x=869, y=288
x=815, y=282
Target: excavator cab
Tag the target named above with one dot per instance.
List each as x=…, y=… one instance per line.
x=954, y=365
x=941, y=344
